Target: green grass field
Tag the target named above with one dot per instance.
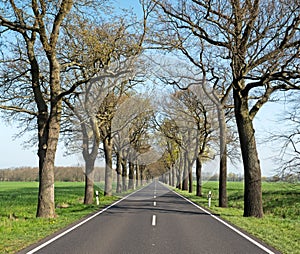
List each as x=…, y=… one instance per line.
x=280, y=226
x=19, y=228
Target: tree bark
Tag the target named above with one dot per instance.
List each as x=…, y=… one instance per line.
x=131, y=176
x=198, y=177
x=137, y=176
x=119, y=173
x=252, y=172
x=124, y=174
x=89, y=156
x=185, y=172
x=107, y=145
x=89, y=182
x=46, y=153
x=190, y=172
x=179, y=182
x=47, y=150
x=142, y=174
x=223, y=158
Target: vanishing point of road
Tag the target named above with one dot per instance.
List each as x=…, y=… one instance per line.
x=152, y=220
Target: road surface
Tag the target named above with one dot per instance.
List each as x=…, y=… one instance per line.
x=151, y=220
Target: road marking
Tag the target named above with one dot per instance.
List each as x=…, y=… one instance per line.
x=153, y=220
x=79, y=224
x=154, y=203
x=154, y=196
x=228, y=225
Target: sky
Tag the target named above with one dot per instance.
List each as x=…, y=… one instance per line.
x=13, y=154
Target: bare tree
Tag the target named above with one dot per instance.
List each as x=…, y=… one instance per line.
x=39, y=24
x=259, y=40
x=286, y=141
x=129, y=126
x=188, y=121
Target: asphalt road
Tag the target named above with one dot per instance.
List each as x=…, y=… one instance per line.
x=152, y=220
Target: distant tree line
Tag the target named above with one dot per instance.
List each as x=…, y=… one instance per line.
x=62, y=174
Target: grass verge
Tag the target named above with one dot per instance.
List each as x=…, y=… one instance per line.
x=20, y=228
x=280, y=226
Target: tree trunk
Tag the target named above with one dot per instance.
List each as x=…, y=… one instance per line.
x=46, y=204
x=131, y=176
x=190, y=176
x=48, y=139
x=137, y=176
x=124, y=174
x=89, y=181
x=107, y=145
x=89, y=155
x=173, y=176
x=185, y=172
x=198, y=176
x=223, y=158
x=119, y=173
x=252, y=172
x=179, y=170
x=142, y=174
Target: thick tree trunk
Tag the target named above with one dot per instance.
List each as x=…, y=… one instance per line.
x=107, y=145
x=119, y=173
x=179, y=182
x=137, y=175
x=89, y=181
x=46, y=204
x=131, y=176
x=198, y=177
x=90, y=156
x=252, y=172
x=223, y=158
x=142, y=174
x=48, y=139
x=124, y=174
x=185, y=172
x=179, y=175
x=173, y=176
x=46, y=153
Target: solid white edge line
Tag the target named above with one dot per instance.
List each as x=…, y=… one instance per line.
x=228, y=225
x=79, y=224
x=153, y=220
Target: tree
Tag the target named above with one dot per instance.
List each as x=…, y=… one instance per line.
x=202, y=113
x=286, y=141
x=259, y=41
x=130, y=126
x=38, y=24
x=107, y=54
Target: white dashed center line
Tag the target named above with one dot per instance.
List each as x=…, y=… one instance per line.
x=154, y=203
x=153, y=220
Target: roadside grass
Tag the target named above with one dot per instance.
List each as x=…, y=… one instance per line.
x=20, y=228
x=280, y=226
